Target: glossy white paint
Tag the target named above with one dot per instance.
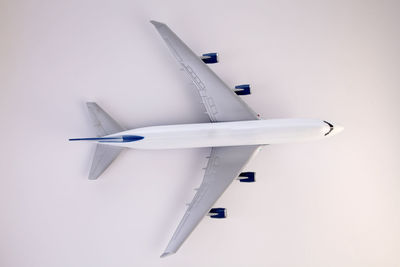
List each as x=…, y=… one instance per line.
x=256, y=132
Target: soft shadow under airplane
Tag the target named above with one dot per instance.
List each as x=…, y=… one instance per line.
x=235, y=134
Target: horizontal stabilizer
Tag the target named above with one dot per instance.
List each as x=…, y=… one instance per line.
x=103, y=157
x=102, y=122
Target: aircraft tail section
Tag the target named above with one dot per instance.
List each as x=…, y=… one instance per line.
x=102, y=122
x=104, y=125
x=103, y=157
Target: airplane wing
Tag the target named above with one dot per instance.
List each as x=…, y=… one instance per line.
x=220, y=102
x=224, y=165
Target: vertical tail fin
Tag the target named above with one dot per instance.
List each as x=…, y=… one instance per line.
x=104, y=154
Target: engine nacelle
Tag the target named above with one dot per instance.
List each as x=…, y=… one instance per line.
x=217, y=213
x=247, y=177
x=210, y=58
x=243, y=89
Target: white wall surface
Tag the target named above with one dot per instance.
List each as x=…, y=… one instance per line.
x=334, y=202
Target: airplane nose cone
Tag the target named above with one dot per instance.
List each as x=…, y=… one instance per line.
x=332, y=129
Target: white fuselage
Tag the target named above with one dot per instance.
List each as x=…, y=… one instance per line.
x=257, y=132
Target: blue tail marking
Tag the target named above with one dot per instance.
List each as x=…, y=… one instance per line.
x=116, y=139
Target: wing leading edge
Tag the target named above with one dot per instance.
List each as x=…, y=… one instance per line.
x=224, y=165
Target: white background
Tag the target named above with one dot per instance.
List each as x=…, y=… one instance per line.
x=333, y=202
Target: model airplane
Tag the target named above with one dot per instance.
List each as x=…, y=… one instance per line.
x=235, y=134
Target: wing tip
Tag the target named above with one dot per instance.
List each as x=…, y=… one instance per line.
x=157, y=24
x=166, y=254
x=93, y=176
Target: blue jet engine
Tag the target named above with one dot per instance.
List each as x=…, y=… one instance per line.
x=247, y=177
x=210, y=58
x=217, y=213
x=243, y=89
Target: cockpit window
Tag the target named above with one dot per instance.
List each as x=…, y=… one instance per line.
x=330, y=128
